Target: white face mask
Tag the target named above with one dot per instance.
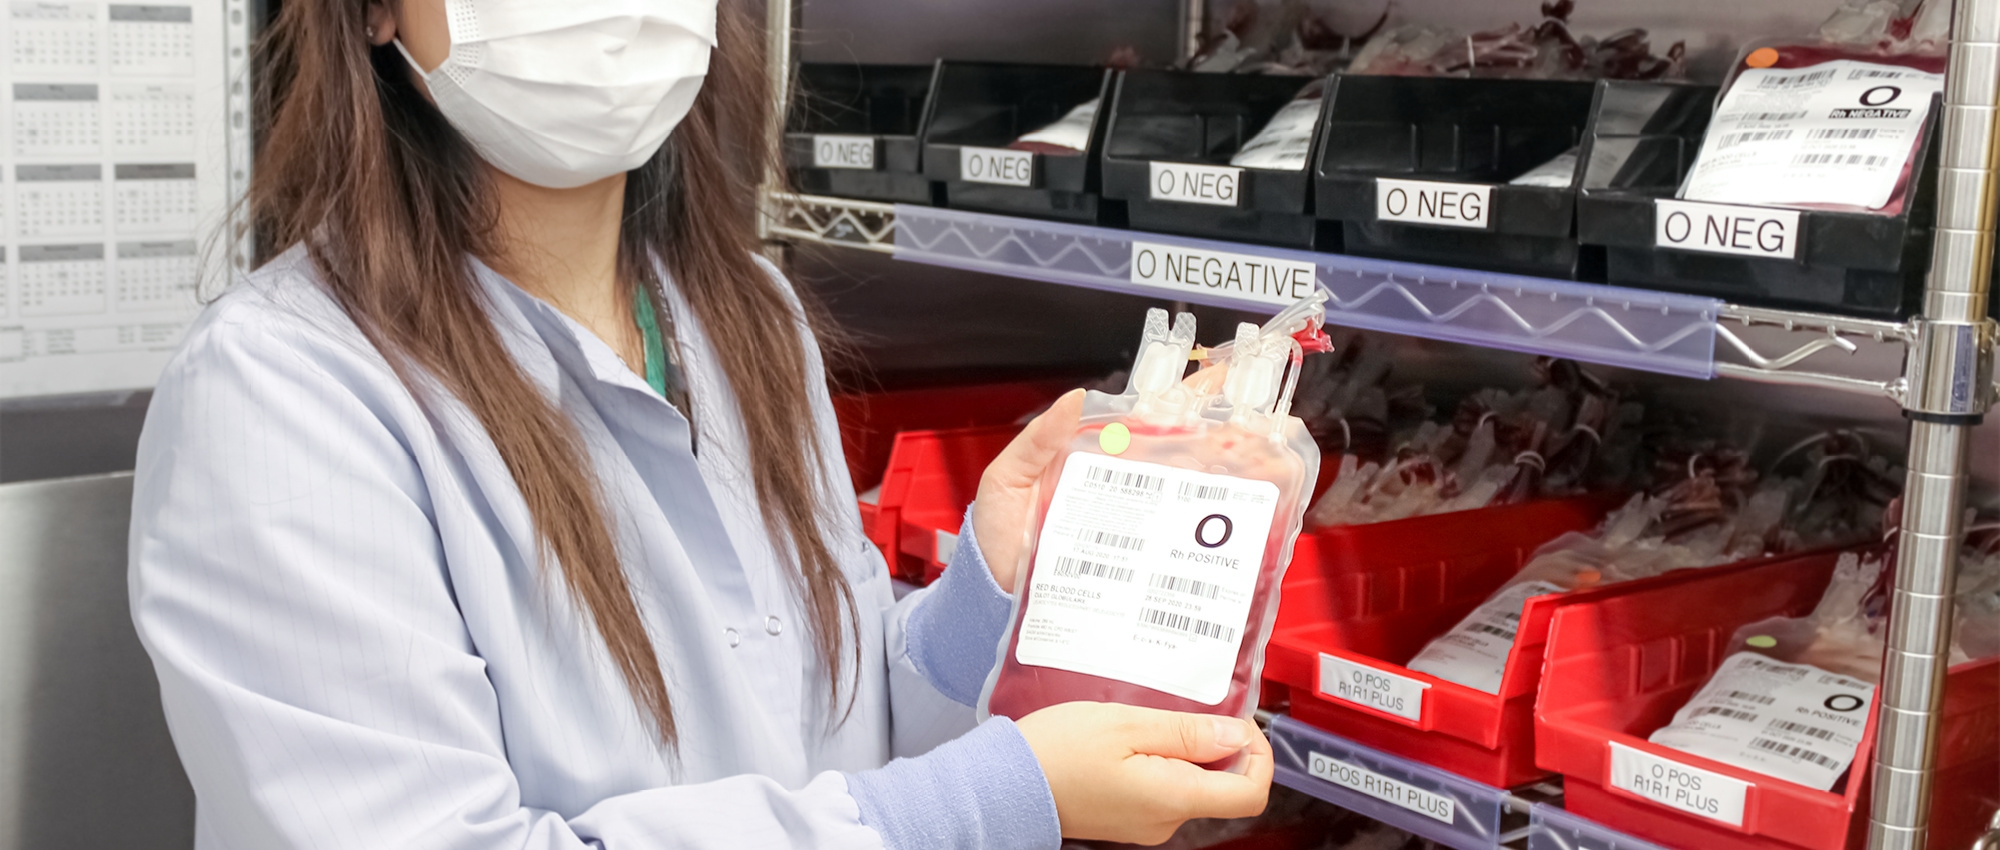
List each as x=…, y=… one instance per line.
x=561, y=93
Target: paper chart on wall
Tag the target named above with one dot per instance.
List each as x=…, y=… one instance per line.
x=124, y=144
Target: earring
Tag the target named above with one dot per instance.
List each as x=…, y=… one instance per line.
x=371, y=33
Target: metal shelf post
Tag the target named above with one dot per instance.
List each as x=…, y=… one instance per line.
x=1948, y=387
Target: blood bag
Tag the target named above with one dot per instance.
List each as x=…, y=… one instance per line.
x=1163, y=530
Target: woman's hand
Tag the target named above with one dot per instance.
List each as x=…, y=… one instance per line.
x=1123, y=773
x=1005, y=505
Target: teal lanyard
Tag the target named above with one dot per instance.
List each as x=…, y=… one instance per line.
x=649, y=332
x=662, y=373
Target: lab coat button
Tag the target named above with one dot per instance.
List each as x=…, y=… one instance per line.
x=773, y=626
x=734, y=638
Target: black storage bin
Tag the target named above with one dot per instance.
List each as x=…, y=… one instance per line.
x=1179, y=117
x=1467, y=137
x=985, y=106
x=853, y=131
x=1647, y=135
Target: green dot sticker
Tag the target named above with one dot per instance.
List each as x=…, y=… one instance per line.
x=1115, y=438
x=1762, y=641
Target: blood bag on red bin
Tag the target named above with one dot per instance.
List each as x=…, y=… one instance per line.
x=1163, y=530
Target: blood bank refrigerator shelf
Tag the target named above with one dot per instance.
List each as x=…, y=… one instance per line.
x=1696, y=337
x=120, y=158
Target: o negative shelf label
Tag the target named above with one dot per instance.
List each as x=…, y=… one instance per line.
x=1215, y=185
x=856, y=152
x=1357, y=778
x=1260, y=279
x=1436, y=204
x=1670, y=783
x=1726, y=229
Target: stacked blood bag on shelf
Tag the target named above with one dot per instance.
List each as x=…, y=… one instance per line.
x=1423, y=637
x=1812, y=182
x=1547, y=50
x=1499, y=448
x=1739, y=711
x=1711, y=508
x=1163, y=532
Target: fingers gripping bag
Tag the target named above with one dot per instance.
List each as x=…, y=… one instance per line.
x=1163, y=530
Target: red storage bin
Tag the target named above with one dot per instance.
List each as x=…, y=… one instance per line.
x=870, y=423
x=1363, y=600
x=932, y=478
x=1618, y=668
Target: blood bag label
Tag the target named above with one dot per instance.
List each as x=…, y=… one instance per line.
x=1214, y=185
x=1724, y=229
x=1791, y=721
x=1679, y=786
x=1377, y=689
x=1357, y=778
x=1437, y=204
x=1838, y=132
x=1145, y=574
x=998, y=166
x=1265, y=280
x=856, y=152
x=1474, y=653
x=1286, y=140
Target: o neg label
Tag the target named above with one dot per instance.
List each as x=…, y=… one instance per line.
x=1675, y=785
x=856, y=152
x=998, y=166
x=1261, y=279
x=1357, y=778
x=1377, y=689
x=1726, y=229
x=1438, y=204
x=1214, y=185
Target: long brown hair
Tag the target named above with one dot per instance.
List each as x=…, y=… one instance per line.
x=389, y=201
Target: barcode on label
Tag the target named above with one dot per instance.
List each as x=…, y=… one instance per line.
x=1707, y=710
x=1840, y=159
x=1133, y=480
x=1870, y=74
x=1793, y=753
x=1112, y=539
x=1495, y=631
x=1733, y=139
x=1846, y=133
x=1075, y=567
x=1800, y=81
x=1770, y=116
x=1187, y=585
x=1745, y=696
x=1802, y=729
x=1185, y=623
x=1785, y=670
x=1211, y=492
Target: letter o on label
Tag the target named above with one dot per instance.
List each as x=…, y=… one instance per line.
x=1164, y=185
x=1686, y=226
x=1399, y=201
x=1202, y=530
x=825, y=151
x=1880, y=95
x=978, y=166
x=1146, y=263
x=1843, y=702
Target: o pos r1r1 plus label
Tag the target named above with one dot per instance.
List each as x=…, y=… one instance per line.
x=1266, y=280
x=1145, y=574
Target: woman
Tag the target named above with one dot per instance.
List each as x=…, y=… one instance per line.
x=501, y=507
